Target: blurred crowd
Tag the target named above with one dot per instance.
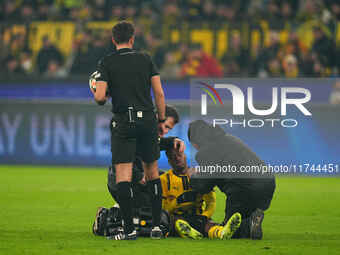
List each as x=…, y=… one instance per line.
x=180, y=60
x=277, y=11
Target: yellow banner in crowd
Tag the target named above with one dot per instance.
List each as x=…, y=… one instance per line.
x=215, y=41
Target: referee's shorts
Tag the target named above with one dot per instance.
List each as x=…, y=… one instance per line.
x=131, y=139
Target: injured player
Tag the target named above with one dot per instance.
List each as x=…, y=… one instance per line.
x=191, y=212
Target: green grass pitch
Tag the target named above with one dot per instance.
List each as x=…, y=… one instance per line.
x=49, y=210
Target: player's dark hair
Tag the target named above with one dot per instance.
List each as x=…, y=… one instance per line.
x=171, y=111
x=122, y=32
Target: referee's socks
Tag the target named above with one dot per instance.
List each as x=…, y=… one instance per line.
x=155, y=190
x=125, y=196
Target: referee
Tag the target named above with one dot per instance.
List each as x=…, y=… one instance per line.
x=127, y=77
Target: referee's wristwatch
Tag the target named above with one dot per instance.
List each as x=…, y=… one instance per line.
x=161, y=121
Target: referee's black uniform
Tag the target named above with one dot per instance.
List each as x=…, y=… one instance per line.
x=134, y=126
x=128, y=76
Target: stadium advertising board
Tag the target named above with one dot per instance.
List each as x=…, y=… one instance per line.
x=287, y=126
x=78, y=134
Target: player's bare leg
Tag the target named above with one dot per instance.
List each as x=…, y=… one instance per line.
x=155, y=189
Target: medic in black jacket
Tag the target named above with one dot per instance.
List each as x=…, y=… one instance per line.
x=247, y=193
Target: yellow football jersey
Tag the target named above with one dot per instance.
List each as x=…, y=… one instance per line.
x=178, y=197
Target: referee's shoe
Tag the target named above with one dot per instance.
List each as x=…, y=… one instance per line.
x=123, y=236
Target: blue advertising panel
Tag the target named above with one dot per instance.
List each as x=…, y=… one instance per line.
x=174, y=90
x=78, y=134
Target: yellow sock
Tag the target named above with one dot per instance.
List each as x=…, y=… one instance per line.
x=215, y=232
